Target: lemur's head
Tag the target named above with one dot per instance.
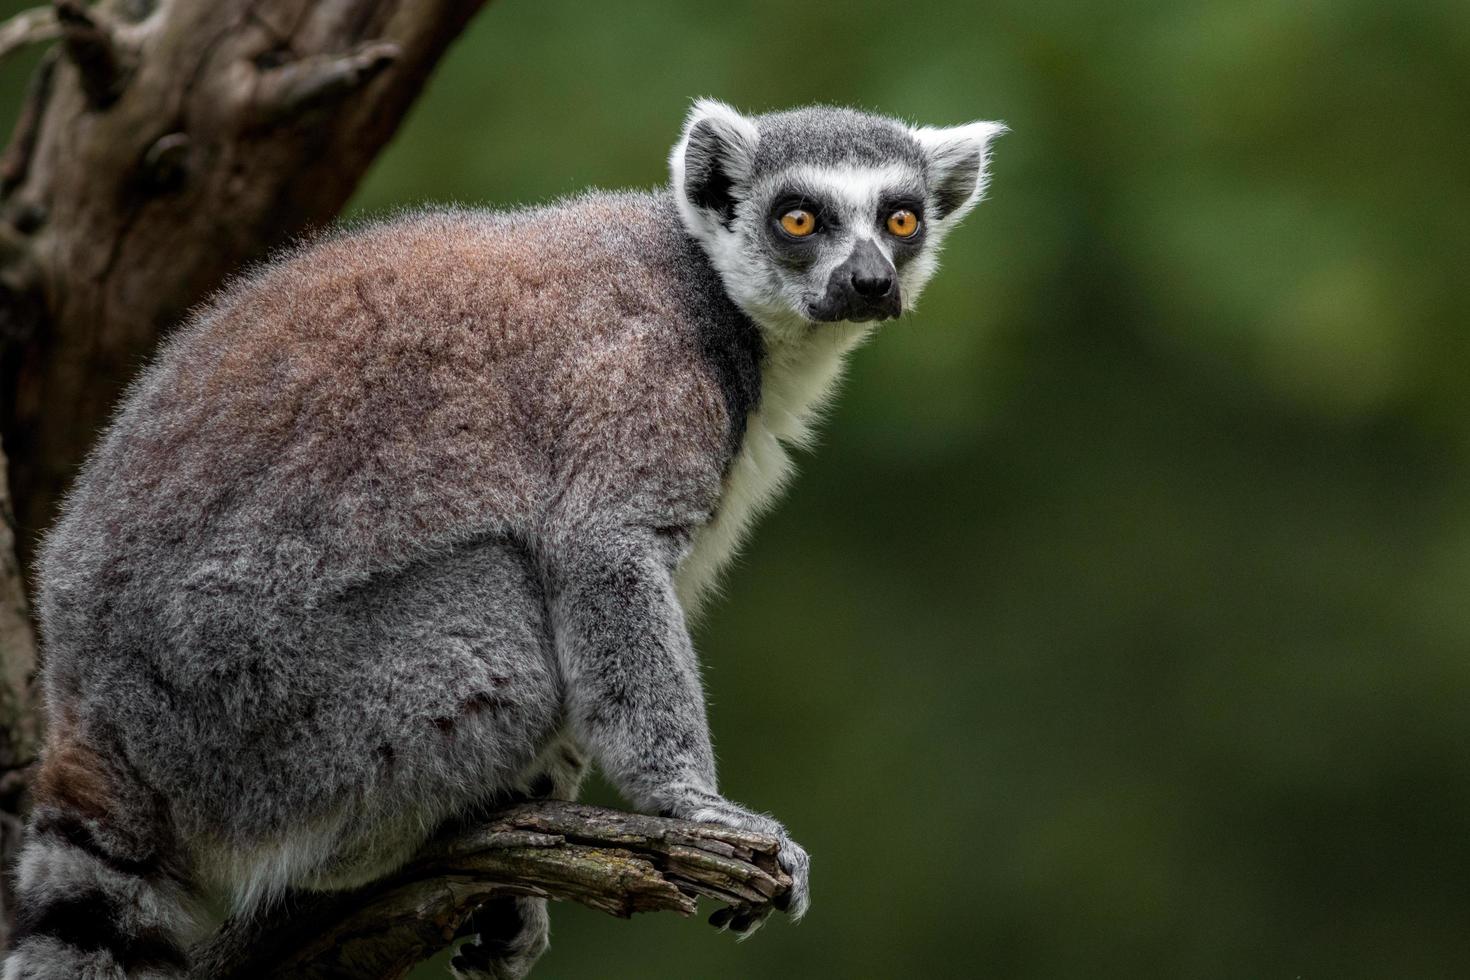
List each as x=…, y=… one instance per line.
x=822, y=215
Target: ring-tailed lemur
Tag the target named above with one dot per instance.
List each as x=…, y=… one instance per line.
x=402, y=523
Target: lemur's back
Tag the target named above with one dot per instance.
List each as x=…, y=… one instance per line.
x=380, y=395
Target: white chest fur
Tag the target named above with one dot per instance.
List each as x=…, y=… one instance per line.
x=797, y=380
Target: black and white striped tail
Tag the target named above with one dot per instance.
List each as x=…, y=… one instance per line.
x=88, y=912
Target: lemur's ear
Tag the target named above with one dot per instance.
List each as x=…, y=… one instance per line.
x=958, y=164
x=712, y=159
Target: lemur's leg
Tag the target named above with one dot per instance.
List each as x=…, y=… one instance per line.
x=443, y=697
x=632, y=684
x=511, y=933
x=476, y=617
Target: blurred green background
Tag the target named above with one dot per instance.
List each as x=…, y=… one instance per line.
x=1121, y=625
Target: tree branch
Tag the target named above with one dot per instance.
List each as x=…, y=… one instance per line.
x=92, y=44
x=28, y=27
x=615, y=862
x=16, y=159
x=297, y=87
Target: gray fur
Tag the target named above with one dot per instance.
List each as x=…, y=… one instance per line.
x=830, y=135
x=408, y=520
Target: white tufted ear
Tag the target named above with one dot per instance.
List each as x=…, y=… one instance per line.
x=710, y=163
x=958, y=164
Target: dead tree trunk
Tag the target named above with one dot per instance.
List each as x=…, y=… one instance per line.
x=163, y=144
x=19, y=714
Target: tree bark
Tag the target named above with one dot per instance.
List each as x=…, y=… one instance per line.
x=20, y=716
x=615, y=862
x=161, y=146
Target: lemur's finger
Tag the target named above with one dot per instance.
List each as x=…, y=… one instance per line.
x=471, y=957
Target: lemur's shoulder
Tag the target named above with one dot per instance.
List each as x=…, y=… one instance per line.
x=606, y=292
x=566, y=283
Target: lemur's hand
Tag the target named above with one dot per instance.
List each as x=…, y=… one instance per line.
x=790, y=855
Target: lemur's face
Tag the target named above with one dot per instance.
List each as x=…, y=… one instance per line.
x=824, y=215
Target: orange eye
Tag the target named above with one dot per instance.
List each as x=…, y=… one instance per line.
x=798, y=223
x=903, y=223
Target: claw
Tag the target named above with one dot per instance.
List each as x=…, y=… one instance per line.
x=751, y=926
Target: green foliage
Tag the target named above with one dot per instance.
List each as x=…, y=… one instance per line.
x=1128, y=594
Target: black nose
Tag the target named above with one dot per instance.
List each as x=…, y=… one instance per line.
x=863, y=288
x=872, y=285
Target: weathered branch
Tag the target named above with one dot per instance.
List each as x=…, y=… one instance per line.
x=16, y=159
x=619, y=863
x=32, y=26
x=297, y=87
x=91, y=41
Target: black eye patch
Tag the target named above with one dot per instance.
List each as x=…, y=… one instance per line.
x=905, y=201
x=795, y=198
x=797, y=253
